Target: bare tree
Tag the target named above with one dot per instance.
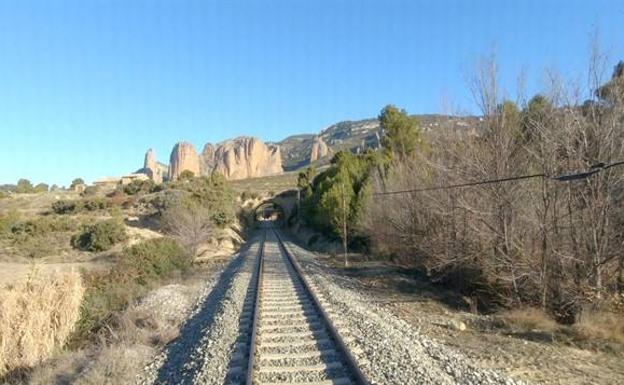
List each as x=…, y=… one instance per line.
x=537, y=242
x=189, y=223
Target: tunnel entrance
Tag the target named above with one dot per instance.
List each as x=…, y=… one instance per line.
x=269, y=211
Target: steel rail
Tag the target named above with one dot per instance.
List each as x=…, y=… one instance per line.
x=358, y=377
x=256, y=316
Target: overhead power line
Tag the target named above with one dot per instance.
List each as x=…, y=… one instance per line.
x=468, y=184
x=561, y=178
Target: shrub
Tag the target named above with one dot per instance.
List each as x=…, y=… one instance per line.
x=24, y=186
x=65, y=207
x=100, y=236
x=36, y=317
x=39, y=227
x=116, y=212
x=41, y=188
x=186, y=175
x=152, y=260
x=215, y=194
x=157, y=188
x=35, y=238
x=105, y=295
x=74, y=207
x=221, y=219
x=95, y=204
x=139, y=186
x=136, y=271
x=247, y=194
x=6, y=223
x=163, y=201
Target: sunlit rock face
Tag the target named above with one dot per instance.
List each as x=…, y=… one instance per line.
x=243, y=157
x=319, y=149
x=151, y=166
x=183, y=157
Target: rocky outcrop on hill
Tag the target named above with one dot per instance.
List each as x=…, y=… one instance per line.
x=183, y=157
x=361, y=135
x=208, y=159
x=151, y=167
x=247, y=157
x=243, y=157
x=319, y=149
x=240, y=158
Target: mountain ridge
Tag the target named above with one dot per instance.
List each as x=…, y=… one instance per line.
x=248, y=156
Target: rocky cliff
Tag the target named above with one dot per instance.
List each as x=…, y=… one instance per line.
x=358, y=135
x=354, y=136
x=247, y=157
x=208, y=159
x=240, y=158
x=183, y=157
x=319, y=149
x=152, y=168
x=243, y=157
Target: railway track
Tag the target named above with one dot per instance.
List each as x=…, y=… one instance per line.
x=289, y=338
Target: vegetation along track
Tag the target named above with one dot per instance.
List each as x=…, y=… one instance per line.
x=290, y=338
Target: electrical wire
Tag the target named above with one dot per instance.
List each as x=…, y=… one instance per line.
x=468, y=184
x=561, y=178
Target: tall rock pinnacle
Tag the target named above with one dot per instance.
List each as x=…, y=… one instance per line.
x=319, y=149
x=183, y=157
x=151, y=168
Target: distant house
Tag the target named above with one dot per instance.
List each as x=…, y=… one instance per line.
x=127, y=179
x=108, y=182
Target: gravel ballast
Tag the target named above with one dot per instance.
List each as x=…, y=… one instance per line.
x=388, y=350
x=202, y=352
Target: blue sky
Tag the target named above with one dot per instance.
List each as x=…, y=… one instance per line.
x=86, y=86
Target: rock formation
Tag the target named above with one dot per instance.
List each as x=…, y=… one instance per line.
x=183, y=157
x=247, y=157
x=151, y=167
x=241, y=158
x=208, y=159
x=319, y=149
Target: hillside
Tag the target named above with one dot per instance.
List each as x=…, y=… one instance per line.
x=358, y=135
x=247, y=157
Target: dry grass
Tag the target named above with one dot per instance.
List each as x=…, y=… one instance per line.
x=598, y=329
x=117, y=364
x=124, y=349
x=601, y=329
x=528, y=319
x=36, y=317
x=116, y=358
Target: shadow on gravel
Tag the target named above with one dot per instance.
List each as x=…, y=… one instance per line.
x=244, y=335
x=182, y=361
